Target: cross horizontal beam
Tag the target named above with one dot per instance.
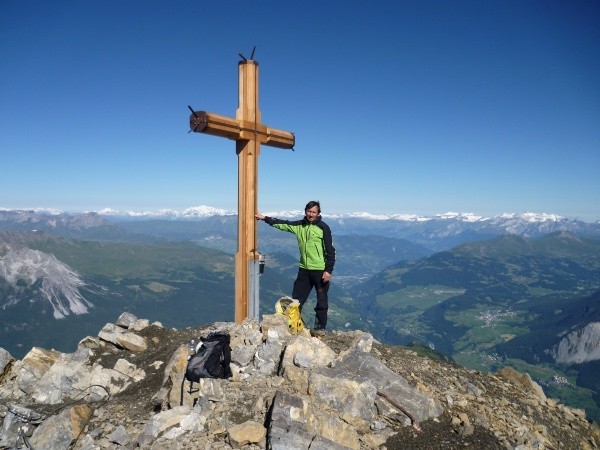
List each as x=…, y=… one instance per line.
x=235, y=129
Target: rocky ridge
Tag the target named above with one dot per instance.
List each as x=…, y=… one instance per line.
x=50, y=280
x=125, y=389
x=579, y=346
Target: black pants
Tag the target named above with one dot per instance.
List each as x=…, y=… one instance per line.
x=305, y=281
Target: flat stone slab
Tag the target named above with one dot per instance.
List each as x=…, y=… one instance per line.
x=362, y=367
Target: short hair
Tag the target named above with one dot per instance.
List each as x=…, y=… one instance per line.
x=312, y=204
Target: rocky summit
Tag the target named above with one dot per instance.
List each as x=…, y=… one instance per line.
x=125, y=388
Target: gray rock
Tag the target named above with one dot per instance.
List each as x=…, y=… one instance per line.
x=344, y=394
x=298, y=424
x=307, y=353
x=34, y=365
x=474, y=390
x=91, y=342
x=6, y=360
x=87, y=443
x=361, y=367
x=247, y=334
x=242, y=355
x=275, y=322
x=213, y=388
x=72, y=377
x=196, y=420
x=119, y=436
x=174, y=390
x=125, y=320
x=288, y=427
x=16, y=416
x=126, y=368
x=122, y=338
x=268, y=356
x=139, y=325
x=65, y=379
x=60, y=431
x=162, y=421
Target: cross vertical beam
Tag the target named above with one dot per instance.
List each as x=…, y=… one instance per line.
x=249, y=133
x=248, y=115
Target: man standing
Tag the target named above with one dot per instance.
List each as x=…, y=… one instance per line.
x=317, y=258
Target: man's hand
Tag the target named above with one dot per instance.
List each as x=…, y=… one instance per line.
x=326, y=277
x=259, y=216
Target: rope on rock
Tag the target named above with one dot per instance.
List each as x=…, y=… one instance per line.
x=398, y=406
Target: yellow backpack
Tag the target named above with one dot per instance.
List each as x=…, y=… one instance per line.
x=291, y=309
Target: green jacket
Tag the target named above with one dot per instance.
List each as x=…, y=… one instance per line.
x=314, y=242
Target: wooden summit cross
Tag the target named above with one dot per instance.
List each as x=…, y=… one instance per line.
x=248, y=133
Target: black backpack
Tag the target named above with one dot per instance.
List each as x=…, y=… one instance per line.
x=212, y=358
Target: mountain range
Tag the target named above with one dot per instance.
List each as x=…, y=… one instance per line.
x=520, y=289
x=439, y=232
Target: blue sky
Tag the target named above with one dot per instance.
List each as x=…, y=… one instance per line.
x=418, y=107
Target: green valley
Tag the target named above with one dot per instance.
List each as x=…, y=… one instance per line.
x=493, y=303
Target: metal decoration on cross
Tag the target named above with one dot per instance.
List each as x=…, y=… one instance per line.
x=249, y=133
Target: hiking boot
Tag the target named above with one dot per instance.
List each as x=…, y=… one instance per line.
x=317, y=332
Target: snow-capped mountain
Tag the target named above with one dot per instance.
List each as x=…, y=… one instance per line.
x=201, y=211
x=44, y=278
x=437, y=232
x=204, y=211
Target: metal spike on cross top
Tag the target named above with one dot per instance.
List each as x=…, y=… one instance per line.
x=248, y=133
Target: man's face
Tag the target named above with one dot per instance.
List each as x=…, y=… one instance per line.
x=312, y=214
